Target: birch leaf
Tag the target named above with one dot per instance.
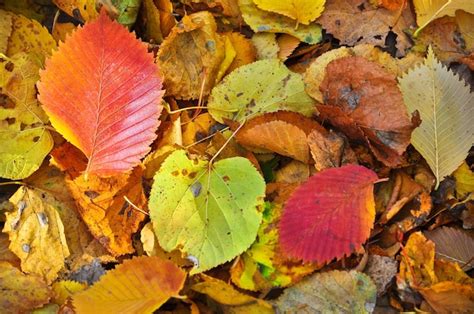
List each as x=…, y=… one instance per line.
x=445, y=105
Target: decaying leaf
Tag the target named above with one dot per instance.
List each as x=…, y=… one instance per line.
x=266, y=45
x=281, y=132
x=330, y=292
x=112, y=107
x=381, y=269
x=36, y=233
x=205, y=210
x=309, y=228
x=25, y=140
x=444, y=103
x=366, y=25
x=83, y=10
x=21, y=293
x=263, y=21
x=190, y=56
x=273, y=88
x=428, y=10
x=303, y=11
x=5, y=30
x=139, y=285
x=363, y=100
x=454, y=245
x=227, y=295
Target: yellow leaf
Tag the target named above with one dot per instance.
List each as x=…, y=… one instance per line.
x=37, y=233
x=428, y=10
x=244, y=48
x=265, y=45
x=64, y=289
x=464, y=180
x=444, y=103
x=5, y=30
x=230, y=54
x=139, y=285
x=19, y=292
x=303, y=11
x=25, y=140
x=83, y=10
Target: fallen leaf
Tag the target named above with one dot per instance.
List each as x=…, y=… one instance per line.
x=65, y=289
x=442, y=99
x=126, y=11
x=244, y=48
x=139, y=285
x=465, y=22
x=263, y=266
x=367, y=25
x=36, y=233
x=159, y=19
x=21, y=293
x=83, y=10
x=263, y=21
x=382, y=270
x=464, y=180
x=5, y=30
x=204, y=210
x=227, y=295
x=331, y=198
x=450, y=297
x=287, y=45
x=102, y=206
x=273, y=88
x=23, y=134
x=303, y=11
x=293, y=172
x=281, y=132
x=266, y=45
x=230, y=54
x=428, y=10
x=62, y=30
x=330, y=292
x=190, y=56
x=6, y=255
x=363, y=100
x=112, y=142
x=454, y=245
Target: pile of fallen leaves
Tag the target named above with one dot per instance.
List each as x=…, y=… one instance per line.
x=241, y=156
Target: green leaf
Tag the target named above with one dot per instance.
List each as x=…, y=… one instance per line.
x=257, y=88
x=446, y=109
x=127, y=11
x=330, y=292
x=25, y=142
x=208, y=211
x=264, y=21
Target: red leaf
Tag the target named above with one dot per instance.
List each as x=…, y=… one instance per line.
x=330, y=215
x=102, y=92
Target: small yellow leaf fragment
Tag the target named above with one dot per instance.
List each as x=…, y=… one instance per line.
x=303, y=11
x=64, y=289
x=464, y=179
x=139, y=285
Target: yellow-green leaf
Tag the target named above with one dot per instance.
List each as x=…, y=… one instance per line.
x=37, y=233
x=429, y=10
x=139, y=285
x=25, y=140
x=445, y=105
x=303, y=11
x=464, y=180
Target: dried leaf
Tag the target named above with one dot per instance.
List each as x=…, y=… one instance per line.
x=244, y=48
x=303, y=11
x=235, y=99
x=382, y=270
x=281, y=132
x=262, y=21
x=36, y=233
x=190, y=56
x=21, y=293
x=102, y=205
x=428, y=10
x=205, y=211
x=139, y=285
x=83, y=10
x=65, y=289
x=5, y=30
x=330, y=292
x=464, y=180
x=454, y=245
x=112, y=113
x=329, y=150
x=25, y=140
x=287, y=44
x=330, y=215
x=364, y=101
x=444, y=103
x=266, y=45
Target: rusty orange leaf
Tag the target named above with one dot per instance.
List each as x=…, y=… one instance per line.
x=102, y=91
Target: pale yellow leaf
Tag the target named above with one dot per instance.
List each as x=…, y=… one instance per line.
x=444, y=103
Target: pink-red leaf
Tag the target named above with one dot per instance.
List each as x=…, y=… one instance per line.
x=330, y=215
x=102, y=92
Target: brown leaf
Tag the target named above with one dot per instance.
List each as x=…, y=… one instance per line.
x=281, y=132
x=191, y=55
x=357, y=22
x=363, y=100
x=330, y=150
x=102, y=206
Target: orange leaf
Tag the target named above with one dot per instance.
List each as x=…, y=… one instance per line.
x=102, y=91
x=282, y=132
x=330, y=215
x=140, y=285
